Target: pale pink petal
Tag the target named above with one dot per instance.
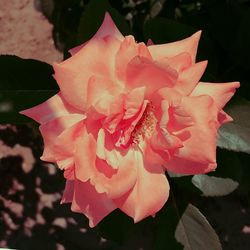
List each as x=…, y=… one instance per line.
x=143, y=72
x=220, y=92
x=100, y=173
x=223, y=117
x=127, y=51
x=52, y=129
x=179, y=62
x=190, y=77
x=149, y=194
x=108, y=28
x=73, y=74
x=185, y=166
x=188, y=45
x=197, y=128
x=133, y=102
x=54, y=107
x=92, y=204
x=68, y=192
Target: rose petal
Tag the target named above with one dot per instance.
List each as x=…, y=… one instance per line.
x=143, y=72
x=92, y=204
x=179, y=62
x=197, y=128
x=108, y=28
x=73, y=74
x=68, y=192
x=190, y=77
x=185, y=166
x=49, y=110
x=133, y=102
x=188, y=45
x=52, y=129
x=127, y=51
x=87, y=165
x=220, y=92
x=149, y=194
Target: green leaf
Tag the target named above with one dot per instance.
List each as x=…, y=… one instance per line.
x=93, y=16
x=214, y=186
x=194, y=231
x=235, y=136
x=25, y=74
x=24, y=83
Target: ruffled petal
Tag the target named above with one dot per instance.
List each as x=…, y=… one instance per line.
x=54, y=107
x=197, y=129
x=185, y=166
x=220, y=92
x=108, y=28
x=50, y=132
x=100, y=173
x=73, y=74
x=92, y=204
x=179, y=62
x=150, y=192
x=143, y=72
x=127, y=51
x=188, y=45
x=190, y=77
x=68, y=192
x=133, y=102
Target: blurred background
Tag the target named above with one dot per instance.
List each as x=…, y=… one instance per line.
x=31, y=216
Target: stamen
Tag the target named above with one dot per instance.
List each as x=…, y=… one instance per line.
x=146, y=125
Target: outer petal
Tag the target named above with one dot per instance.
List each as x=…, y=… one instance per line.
x=143, y=72
x=92, y=204
x=189, y=45
x=68, y=192
x=149, y=194
x=179, y=62
x=189, y=78
x=220, y=92
x=194, y=122
x=127, y=51
x=108, y=28
x=73, y=74
x=54, y=107
x=184, y=166
x=50, y=132
x=101, y=174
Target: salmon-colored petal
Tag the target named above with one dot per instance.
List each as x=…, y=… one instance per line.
x=133, y=102
x=127, y=51
x=188, y=45
x=73, y=74
x=108, y=28
x=54, y=107
x=89, y=166
x=185, y=166
x=106, y=151
x=196, y=128
x=220, y=92
x=68, y=192
x=149, y=194
x=92, y=204
x=52, y=129
x=223, y=117
x=143, y=72
x=179, y=62
x=190, y=77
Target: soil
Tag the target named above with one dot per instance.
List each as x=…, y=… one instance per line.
x=25, y=32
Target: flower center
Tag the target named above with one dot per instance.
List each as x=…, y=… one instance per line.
x=146, y=125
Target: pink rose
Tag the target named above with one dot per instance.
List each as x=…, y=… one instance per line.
x=126, y=113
